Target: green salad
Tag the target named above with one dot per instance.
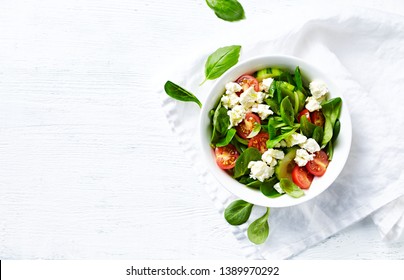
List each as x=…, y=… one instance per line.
x=274, y=131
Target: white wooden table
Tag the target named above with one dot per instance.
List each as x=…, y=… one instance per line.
x=88, y=166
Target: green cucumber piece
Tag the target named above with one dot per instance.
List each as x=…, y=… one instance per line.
x=267, y=73
x=286, y=165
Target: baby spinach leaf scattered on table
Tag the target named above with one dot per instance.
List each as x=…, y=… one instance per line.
x=179, y=93
x=226, y=140
x=290, y=188
x=220, y=61
x=238, y=212
x=258, y=230
x=228, y=10
x=250, y=154
x=331, y=111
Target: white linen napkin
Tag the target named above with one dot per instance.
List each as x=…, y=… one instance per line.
x=363, y=52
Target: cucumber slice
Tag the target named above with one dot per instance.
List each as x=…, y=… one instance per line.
x=267, y=73
x=286, y=165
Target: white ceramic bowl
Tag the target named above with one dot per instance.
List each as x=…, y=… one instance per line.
x=309, y=73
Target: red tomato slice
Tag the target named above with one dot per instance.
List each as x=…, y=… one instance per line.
x=304, y=112
x=301, y=177
x=226, y=156
x=247, y=125
x=317, y=118
x=247, y=81
x=319, y=164
x=259, y=141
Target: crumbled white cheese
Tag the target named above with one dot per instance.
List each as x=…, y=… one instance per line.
x=281, y=144
x=268, y=159
x=278, y=188
x=232, y=88
x=302, y=157
x=277, y=154
x=312, y=104
x=266, y=84
x=310, y=145
x=295, y=139
x=262, y=110
x=249, y=97
x=260, y=170
x=236, y=115
x=318, y=88
x=230, y=100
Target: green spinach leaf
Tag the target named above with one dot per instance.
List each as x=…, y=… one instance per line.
x=238, y=212
x=241, y=140
x=318, y=134
x=229, y=136
x=306, y=127
x=228, y=10
x=273, y=105
x=287, y=113
x=290, y=188
x=331, y=111
x=179, y=93
x=267, y=188
x=258, y=230
x=254, y=185
x=336, y=130
x=221, y=120
x=298, y=79
x=250, y=154
x=220, y=61
x=272, y=142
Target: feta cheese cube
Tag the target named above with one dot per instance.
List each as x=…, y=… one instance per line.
x=249, y=97
x=295, y=139
x=236, y=115
x=230, y=100
x=312, y=104
x=303, y=157
x=262, y=110
x=260, y=170
x=266, y=84
x=232, y=88
x=277, y=154
x=278, y=188
x=268, y=159
x=318, y=88
x=310, y=145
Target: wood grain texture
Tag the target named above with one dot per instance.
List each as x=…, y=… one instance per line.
x=88, y=165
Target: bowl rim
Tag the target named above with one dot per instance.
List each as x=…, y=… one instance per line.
x=254, y=64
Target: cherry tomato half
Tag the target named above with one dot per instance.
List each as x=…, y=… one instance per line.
x=247, y=81
x=226, y=156
x=247, y=125
x=319, y=164
x=259, y=141
x=317, y=118
x=301, y=177
x=304, y=112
